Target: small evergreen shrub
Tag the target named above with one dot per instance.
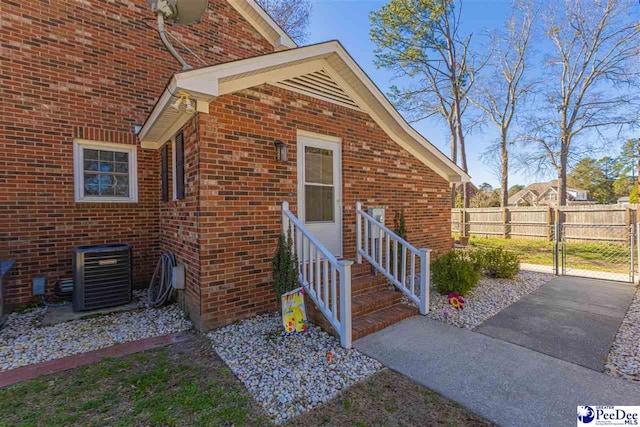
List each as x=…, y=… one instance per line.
x=284, y=267
x=453, y=272
x=497, y=262
x=400, y=228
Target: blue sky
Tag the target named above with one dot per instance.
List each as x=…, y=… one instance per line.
x=348, y=21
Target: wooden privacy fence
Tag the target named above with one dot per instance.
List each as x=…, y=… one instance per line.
x=593, y=222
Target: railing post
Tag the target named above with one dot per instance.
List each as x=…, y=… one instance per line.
x=285, y=219
x=425, y=279
x=358, y=233
x=637, y=230
x=345, y=303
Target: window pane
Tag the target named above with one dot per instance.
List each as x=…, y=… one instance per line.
x=106, y=167
x=107, y=185
x=318, y=165
x=122, y=157
x=91, y=186
x=90, y=154
x=319, y=203
x=122, y=167
x=106, y=156
x=122, y=186
x=91, y=165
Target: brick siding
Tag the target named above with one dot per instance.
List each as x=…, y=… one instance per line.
x=242, y=187
x=87, y=69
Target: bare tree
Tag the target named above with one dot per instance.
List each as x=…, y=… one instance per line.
x=591, y=81
x=501, y=94
x=423, y=40
x=291, y=15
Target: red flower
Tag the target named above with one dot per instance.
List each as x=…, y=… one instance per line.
x=456, y=301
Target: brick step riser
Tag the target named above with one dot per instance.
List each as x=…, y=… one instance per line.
x=357, y=334
x=380, y=304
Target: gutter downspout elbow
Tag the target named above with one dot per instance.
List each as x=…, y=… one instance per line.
x=168, y=45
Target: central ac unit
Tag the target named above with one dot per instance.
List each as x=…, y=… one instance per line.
x=102, y=276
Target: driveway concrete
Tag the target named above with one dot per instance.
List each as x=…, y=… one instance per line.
x=571, y=318
x=503, y=382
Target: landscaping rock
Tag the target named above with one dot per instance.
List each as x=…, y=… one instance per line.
x=23, y=341
x=624, y=356
x=488, y=298
x=288, y=374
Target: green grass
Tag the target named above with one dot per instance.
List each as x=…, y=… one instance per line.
x=611, y=257
x=157, y=388
x=188, y=385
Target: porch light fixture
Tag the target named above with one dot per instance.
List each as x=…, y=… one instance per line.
x=183, y=100
x=281, y=151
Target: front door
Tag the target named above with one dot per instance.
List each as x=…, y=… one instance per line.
x=320, y=189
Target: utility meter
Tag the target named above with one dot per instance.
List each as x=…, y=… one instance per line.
x=378, y=215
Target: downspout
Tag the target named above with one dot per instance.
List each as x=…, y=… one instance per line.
x=167, y=43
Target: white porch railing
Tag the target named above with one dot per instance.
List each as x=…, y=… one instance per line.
x=326, y=280
x=387, y=253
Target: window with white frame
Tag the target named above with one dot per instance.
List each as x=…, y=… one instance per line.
x=105, y=172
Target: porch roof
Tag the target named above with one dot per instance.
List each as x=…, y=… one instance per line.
x=324, y=70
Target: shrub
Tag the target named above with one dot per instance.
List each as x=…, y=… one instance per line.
x=284, y=267
x=500, y=263
x=400, y=228
x=453, y=272
x=476, y=257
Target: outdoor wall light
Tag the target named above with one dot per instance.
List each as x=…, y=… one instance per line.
x=281, y=151
x=183, y=101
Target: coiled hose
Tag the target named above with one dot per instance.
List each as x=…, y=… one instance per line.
x=161, y=285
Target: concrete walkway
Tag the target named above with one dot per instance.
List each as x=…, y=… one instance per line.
x=503, y=382
x=571, y=318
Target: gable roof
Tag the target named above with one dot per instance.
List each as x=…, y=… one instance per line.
x=539, y=189
x=261, y=21
x=330, y=58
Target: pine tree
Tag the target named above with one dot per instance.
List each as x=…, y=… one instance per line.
x=284, y=266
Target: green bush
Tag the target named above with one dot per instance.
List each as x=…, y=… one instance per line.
x=284, y=267
x=497, y=262
x=476, y=257
x=453, y=272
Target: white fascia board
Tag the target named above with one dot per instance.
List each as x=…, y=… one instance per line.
x=165, y=98
x=373, y=89
x=202, y=80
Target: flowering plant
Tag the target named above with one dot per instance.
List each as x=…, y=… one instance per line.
x=456, y=301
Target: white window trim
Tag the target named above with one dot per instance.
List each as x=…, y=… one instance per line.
x=78, y=163
x=174, y=182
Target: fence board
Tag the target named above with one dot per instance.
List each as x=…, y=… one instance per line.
x=537, y=222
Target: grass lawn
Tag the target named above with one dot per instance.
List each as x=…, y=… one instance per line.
x=588, y=256
x=187, y=384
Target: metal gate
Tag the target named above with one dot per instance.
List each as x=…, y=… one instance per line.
x=597, y=251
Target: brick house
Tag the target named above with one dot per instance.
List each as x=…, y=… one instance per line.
x=105, y=140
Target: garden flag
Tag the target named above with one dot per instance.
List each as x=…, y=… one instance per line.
x=294, y=316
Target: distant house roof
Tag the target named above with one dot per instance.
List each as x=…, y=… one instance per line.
x=538, y=189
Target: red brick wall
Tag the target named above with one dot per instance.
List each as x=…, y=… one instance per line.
x=179, y=222
x=90, y=69
x=242, y=187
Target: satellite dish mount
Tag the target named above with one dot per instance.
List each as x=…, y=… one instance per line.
x=177, y=12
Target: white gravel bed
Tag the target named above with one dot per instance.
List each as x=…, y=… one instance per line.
x=23, y=341
x=288, y=375
x=486, y=300
x=624, y=355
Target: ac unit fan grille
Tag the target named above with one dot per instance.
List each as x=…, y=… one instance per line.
x=102, y=276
